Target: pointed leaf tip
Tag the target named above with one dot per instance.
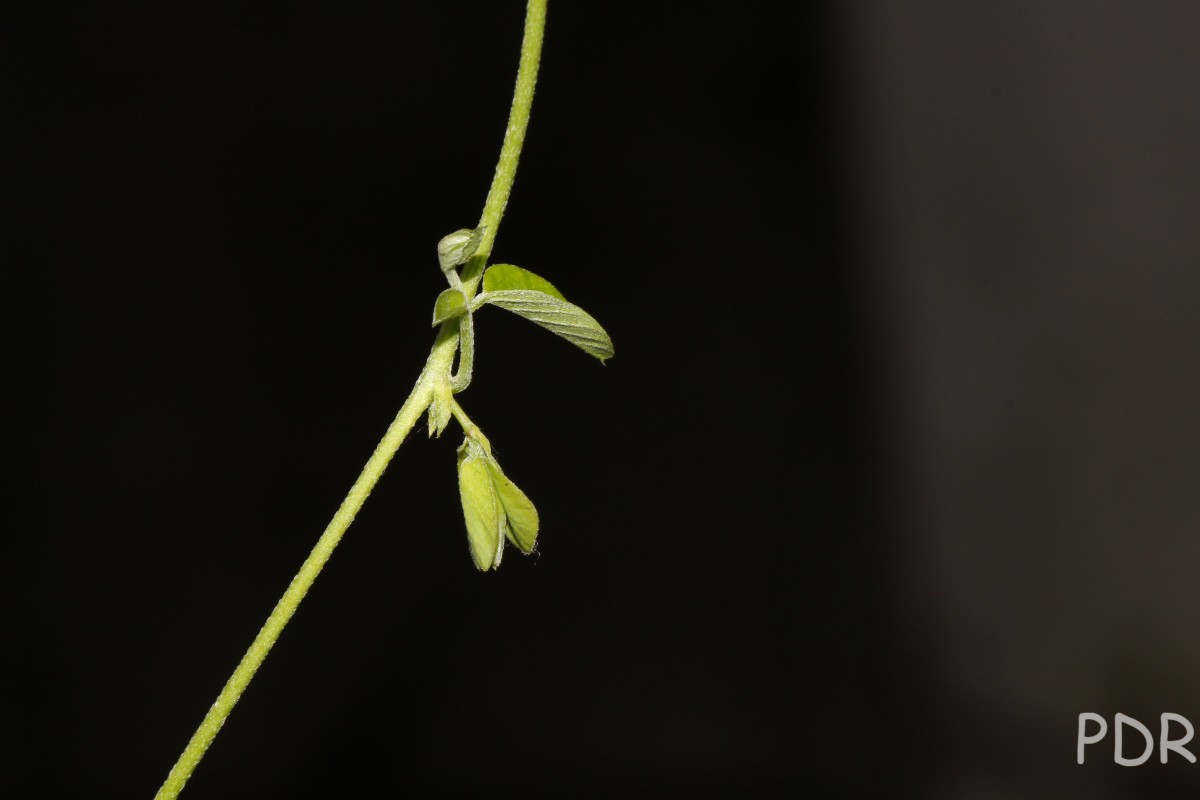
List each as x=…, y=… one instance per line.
x=522, y=516
x=439, y=418
x=449, y=304
x=557, y=316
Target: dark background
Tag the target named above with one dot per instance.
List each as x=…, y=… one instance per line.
x=892, y=476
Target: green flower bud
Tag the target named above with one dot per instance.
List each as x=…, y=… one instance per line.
x=457, y=247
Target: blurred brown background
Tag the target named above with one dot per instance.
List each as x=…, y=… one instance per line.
x=1027, y=185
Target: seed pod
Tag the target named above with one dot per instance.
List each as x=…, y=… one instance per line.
x=522, y=516
x=482, y=510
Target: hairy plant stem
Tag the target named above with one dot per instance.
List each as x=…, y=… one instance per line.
x=470, y=428
x=510, y=152
x=434, y=377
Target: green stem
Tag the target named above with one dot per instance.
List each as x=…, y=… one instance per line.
x=466, y=356
x=409, y=413
x=469, y=428
x=514, y=138
x=436, y=372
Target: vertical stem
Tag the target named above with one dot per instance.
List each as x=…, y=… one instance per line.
x=514, y=138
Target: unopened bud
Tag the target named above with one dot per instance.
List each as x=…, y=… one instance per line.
x=459, y=246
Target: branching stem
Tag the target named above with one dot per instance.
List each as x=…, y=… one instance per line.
x=435, y=374
x=470, y=428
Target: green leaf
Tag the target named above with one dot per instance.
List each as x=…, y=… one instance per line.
x=522, y=516
x=557, y=316
x=449, y=304
x=502, y=277
x=481, y=508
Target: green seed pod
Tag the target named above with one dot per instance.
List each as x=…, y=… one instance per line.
x=482, y=510
x=457, y=247
x=522, y=517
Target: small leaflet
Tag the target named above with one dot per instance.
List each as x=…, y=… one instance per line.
x=449, y=304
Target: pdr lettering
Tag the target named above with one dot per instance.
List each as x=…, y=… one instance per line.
x=1093, y=728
